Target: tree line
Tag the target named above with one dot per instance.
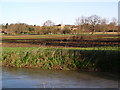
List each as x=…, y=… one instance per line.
x=83, y=24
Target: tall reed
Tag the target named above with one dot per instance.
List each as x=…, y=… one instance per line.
x=63, y=59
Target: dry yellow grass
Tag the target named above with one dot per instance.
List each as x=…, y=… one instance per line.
x=106, y=33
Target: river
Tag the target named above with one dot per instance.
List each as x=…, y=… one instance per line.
x=37, y=78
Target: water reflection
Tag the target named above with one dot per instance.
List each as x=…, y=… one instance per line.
x=36, y=78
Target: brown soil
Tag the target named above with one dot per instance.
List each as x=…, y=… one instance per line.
x=73, y=41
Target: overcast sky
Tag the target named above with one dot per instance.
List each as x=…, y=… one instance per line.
x=35, y=12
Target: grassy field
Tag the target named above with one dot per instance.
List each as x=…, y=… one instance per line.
x=63, y=52
x=17, y=49
x=54, y=36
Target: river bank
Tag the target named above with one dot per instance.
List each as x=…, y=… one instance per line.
x=63, y=59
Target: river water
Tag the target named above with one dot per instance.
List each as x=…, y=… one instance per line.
x=36, y=78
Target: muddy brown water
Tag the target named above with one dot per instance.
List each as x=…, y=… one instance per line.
x=37, y=78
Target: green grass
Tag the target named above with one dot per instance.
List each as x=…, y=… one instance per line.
x=62, y=58
x=91, y=58
x=48, y=36
x=32, y=36
x=9, y=49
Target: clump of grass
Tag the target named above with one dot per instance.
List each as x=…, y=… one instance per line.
x=63, y=59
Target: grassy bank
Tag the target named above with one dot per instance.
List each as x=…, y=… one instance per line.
x=116, y=35
x=91, y=59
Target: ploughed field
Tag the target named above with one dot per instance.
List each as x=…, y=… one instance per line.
x=63, y=52
x=60, y=40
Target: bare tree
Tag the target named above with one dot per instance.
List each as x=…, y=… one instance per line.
x=80, y=21
x=113, y=24
x=104, y=25
x=93, y=21
x=114, y=21
x=104, y=21
x=48, y=23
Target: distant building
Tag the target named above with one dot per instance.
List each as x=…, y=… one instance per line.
x=71, y=27
x=61, y=26
x=3, y=32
